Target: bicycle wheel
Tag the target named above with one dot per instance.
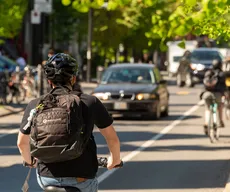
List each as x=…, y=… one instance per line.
x=215, y=127
x=227, y=113
x=227, y=109
x=210, y=126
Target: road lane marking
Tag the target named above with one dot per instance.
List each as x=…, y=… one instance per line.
x=9, y=132
x=151, y=141
x=182, y=93
x=145, y=145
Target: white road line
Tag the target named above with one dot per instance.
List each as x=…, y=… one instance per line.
x=145, y=145
x=9, y=132
x=148, y=143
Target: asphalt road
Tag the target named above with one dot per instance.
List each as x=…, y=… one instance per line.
x=168, y=155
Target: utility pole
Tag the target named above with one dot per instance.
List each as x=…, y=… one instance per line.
x=89, y=44
x=39, y=11
x=36, y=37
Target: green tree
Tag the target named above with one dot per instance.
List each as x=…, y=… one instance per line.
x=169, y=18
x=11, y=17
x=66, y=21
x=206, y=17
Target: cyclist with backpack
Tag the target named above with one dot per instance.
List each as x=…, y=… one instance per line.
x=56, y=131
x=214, y=83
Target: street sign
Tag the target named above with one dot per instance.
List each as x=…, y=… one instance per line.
x=44, y=6
x=35, y=17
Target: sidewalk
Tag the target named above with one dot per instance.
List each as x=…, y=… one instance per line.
x=6, y=110
x=11, y=109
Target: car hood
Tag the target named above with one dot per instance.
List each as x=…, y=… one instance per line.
x=205, y=62
x=127, y=88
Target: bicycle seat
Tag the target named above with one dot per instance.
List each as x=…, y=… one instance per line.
x=61, y=189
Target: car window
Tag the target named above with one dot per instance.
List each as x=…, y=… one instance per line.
x=128, y=75
x=205, y=55
x=157, y=74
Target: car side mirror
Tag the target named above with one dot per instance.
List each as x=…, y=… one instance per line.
x=163, y=81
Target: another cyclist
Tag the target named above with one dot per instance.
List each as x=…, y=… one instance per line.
x=184, y=64
x=214, y=82
x=79, y=172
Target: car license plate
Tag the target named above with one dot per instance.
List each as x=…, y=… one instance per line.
x=120, y=105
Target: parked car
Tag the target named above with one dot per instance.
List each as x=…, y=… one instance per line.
x=201, y=61
x=134, y=89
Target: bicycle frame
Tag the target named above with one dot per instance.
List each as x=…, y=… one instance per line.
x=227, y=104
x=213, y=118
x=214, y=110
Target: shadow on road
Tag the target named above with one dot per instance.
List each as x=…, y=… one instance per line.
x=160, y=175
x=136, y=136
x=169, y=118
x=166, y=174
x=173, y=148
x=13, y=177
x=14, y=105
x=9, y=125
x=8, y=144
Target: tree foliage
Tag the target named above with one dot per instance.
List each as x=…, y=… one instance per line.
x=168, y=18
x=66, y=21
x=206, y=17
x=11, y=17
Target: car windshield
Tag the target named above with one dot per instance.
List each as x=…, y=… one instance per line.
x=205, y=55
x=128, y=75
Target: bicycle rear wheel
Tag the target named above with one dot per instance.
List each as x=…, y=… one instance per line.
x=227, y=113
x=216, y=128
x=210, y=127
x=227, y=110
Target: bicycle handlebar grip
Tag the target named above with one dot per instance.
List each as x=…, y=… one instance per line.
x=120, y=165
x=102, y=161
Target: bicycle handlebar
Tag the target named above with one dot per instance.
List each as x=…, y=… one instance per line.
x=103, y=161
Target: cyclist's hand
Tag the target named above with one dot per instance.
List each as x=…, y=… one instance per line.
x=112, y=163
x=36, y=163
x=32, y=164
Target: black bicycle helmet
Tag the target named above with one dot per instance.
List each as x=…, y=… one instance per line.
x=60, y=67
x=217, y=64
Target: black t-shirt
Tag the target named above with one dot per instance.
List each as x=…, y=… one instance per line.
x=220, y=86
x=94, y=113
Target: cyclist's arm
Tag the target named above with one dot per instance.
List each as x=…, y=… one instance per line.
x=104, y=122
x=23, y=141
x=24, y=146
x=113, y=143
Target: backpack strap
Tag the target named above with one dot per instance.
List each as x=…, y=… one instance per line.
x=66, y=89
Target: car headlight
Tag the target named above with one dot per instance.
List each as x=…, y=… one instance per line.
x=102, y=96
x=198, y=67
x=144, y=96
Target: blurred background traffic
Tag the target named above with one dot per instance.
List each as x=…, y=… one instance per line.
x=101, y=33
x=140, y=58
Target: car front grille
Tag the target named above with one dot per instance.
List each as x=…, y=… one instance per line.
x=117, y=96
